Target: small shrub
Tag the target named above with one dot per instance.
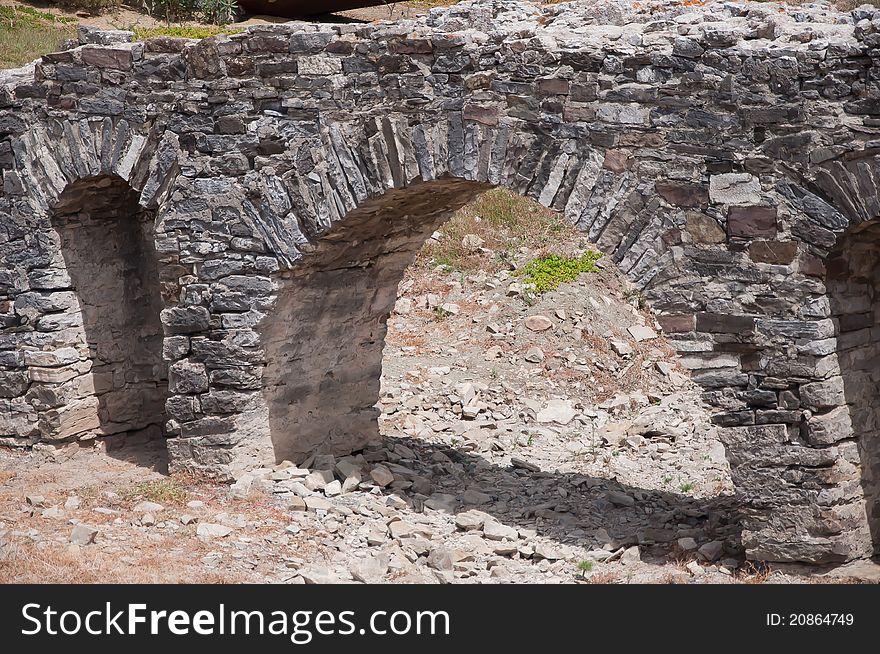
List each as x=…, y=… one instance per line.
x=172, y=10
x=584, y=567
x=687, y=487
x=548, y=273
x=218, y=12
x=162, y=491
x=440, y=313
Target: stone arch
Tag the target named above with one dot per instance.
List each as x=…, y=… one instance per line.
x=845, y=406
x=84, y=345
x=386, y=185
x=113, y=380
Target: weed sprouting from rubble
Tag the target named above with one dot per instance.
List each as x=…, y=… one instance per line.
x=547, y=273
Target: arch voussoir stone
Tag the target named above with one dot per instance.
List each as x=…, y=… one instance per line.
x=725, y=157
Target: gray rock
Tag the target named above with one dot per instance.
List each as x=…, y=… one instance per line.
x=210, y=531
x=496, y=531
x=381, y=475
x=641, y=333
x=621, y=348
x=534, y=355
x=147, y=507
x=558, y=411
x=711, y=551
x=318, y=574
x=470, y=520
x=315, y=503
x=83, y=534
x=333, y=489
x=619, y=499
x=631, y=555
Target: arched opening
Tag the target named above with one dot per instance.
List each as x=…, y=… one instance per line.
x=846, y=408
x=324, y=340
x=118, y=383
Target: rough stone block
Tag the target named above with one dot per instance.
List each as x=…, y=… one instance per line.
x=752, y=222
x=775, y=252
x=682, y=194
x=829, y=428
x=724, y=324
x=823, y=395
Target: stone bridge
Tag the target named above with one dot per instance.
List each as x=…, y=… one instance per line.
x=204, y=238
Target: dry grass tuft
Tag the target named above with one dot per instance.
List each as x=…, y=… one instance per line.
x=602, y=578
x=163, y=491
x=23, y=562
x=754, y=573
x=505, y=222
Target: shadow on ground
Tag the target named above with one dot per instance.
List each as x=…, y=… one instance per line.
x=570, y=508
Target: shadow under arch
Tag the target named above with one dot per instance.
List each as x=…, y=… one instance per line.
x=850, y=416
x=324, y=339
x=119, y=382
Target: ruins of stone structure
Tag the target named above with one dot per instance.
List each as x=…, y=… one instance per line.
x=206, y=237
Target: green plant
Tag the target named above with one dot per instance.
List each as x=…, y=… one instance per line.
x=505, y=222
x=584, y=567
x=27, y=33
x=448, y=262
x=634, y=297
x=557, y=225
x=549, y=272
x=687, y=487
x=218, y=12
x=181, y=32
x=20, y=15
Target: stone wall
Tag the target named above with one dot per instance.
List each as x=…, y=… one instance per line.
x=724, y=156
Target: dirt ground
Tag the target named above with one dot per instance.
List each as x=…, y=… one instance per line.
x=128, y=18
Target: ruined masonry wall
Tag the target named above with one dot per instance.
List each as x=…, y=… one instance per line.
x=718, y=154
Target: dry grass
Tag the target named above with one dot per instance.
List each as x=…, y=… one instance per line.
x=602, y=578
x=753, y=573
x=163, y=491
x=669, y=579
x=23, y=562
x=26, y=34
x=505, y=222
